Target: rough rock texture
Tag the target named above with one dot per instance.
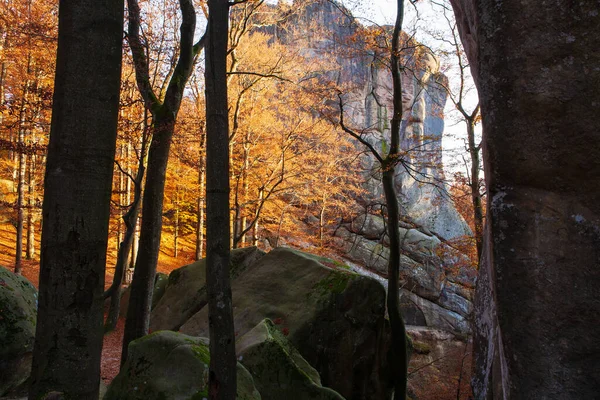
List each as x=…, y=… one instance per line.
x=421, y=312
x=333, y=317
x=185, y=293
x=18, y=308
x=278, y=369
x=437, y=292
x=440, y=362
x=537, y=70
x=170, y=366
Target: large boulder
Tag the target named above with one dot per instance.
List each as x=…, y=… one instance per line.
x=18, y=309
x=185, y=293
x=171, y=366
x=536, y=66
x=278, y=369
x=334, y=318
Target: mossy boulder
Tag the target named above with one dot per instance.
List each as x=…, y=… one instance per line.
x=336, y=319
x=168, y=365
x=160, y=285
x=278, y=369
x=185, y=292
x=18, y=313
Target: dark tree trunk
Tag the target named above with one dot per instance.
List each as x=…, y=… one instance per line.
x=222, y=376
x=78, y=180
x=474, y=151
x=399, y=359
x=163, y=125
x=399, y=343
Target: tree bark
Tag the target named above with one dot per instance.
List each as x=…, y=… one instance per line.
x=163, y=125
x=78, y=181
x=474, y=151
x=222, y=376
x=31, y=207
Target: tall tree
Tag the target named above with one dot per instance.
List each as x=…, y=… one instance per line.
x=164, y=113
x=459, y=96
x=78, y=179
x=222, y=375
x=388, y=163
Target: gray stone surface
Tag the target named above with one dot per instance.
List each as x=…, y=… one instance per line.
x=421, y=312
x=537, y=305
x=185, y=293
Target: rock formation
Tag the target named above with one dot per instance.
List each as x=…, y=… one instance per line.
x=169, y=365
x=537, y=307
x=333, y=317
x=18, y=308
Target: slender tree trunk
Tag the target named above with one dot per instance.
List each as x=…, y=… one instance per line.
x=20, y=174
x=475, y=191
x=399, y=342
x=163, y=125
x=200, y=212
x=76, y=209
x=31, y=210
x=142, y=285
x=20, y=204
x=176, y=231
x=222, y=376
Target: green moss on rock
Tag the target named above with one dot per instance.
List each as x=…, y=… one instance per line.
x=18, y=310
x=169, y=365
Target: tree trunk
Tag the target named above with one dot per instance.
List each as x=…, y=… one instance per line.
x=222, y=376
x=163, y=125
x=200, y=212
x=20, y=203
x=31, y=207
x=140, y=300
x=475, y=190
x=76, y=209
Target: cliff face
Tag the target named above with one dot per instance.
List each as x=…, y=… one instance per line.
x=324, y=31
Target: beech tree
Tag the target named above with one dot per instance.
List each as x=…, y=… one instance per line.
x=164, y=108
x=388, y=163
x=68, y=343
x=222, y=383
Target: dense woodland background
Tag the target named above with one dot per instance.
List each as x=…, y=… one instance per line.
x=295, y=175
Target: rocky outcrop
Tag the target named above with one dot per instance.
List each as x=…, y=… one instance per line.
x=349, y=61
x=279, y=370
x=335, y=318
x=185, y=293
x=18, y=308
x=437, y=280
x=170, y=365
x=537, y=306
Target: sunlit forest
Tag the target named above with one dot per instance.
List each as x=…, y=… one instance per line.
x=286, y=199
